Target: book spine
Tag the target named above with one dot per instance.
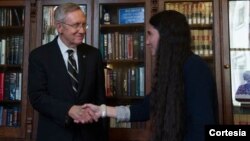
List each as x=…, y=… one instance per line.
x=142, y=89
x=3, y=51
x=1, y=115
x=1, y=86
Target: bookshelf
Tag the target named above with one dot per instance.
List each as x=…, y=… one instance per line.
x=199, y=15
x=14, y=44
x=32, y=31
x=121, y=39
x=204, y=21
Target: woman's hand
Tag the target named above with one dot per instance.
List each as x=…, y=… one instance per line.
x=95, y=109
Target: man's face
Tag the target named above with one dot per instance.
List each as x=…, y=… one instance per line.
x=73, y=29
x=152, y=39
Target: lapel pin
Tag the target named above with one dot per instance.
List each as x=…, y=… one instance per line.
x=84, y=56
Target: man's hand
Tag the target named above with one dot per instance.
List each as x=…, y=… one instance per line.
x=95, y=109
x=82, y=115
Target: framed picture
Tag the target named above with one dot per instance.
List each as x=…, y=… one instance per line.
x=131, y=15
x=243, y=91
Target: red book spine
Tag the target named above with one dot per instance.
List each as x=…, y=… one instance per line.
x=1, y=86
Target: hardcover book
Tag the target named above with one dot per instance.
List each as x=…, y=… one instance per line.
x=131, y=15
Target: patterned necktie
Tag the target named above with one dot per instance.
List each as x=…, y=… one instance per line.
x=72, y=70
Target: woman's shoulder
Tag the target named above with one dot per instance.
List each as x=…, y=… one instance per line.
x=194, y=59
x=196, y=68
x=195, y=63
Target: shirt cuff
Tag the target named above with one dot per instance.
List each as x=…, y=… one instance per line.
x=122, y=113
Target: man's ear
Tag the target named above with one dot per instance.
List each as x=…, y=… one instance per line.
x=59, y=27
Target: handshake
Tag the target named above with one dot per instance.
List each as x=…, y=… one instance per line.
x=87, y=113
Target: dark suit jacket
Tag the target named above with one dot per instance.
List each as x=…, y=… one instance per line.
x=51, y=94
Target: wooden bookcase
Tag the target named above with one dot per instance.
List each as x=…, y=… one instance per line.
x=200, y=17
x=32, y=32
x=14, y=44
x=128, y=61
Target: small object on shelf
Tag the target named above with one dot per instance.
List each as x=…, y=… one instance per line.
x=106, y=18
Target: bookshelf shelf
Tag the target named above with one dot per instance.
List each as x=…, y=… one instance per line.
x=124, y=61
x=10, y=102
x=10, y=68
x=208, y=58
x=123, y=100
x=122, y=26
x=12, y=29
x=202, y=27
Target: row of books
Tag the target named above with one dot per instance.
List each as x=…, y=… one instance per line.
x=241, y=114
x=12, y=16
x=125, y=81
x=10, y=86
x=10, y=116
x=11, y=50
x=241, y=119
x=134, y=125
x=122, y=46
x=196, y=12
x=202, y=42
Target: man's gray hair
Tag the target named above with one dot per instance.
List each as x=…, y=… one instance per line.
x=62, y=10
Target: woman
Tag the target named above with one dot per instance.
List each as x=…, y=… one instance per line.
x=183, y=98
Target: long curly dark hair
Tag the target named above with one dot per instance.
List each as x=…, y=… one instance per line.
x=168, y=99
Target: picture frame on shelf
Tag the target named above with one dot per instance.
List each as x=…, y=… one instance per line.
x=243, y=91
x=131, y=15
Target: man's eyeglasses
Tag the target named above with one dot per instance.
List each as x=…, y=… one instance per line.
x=77, y=26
